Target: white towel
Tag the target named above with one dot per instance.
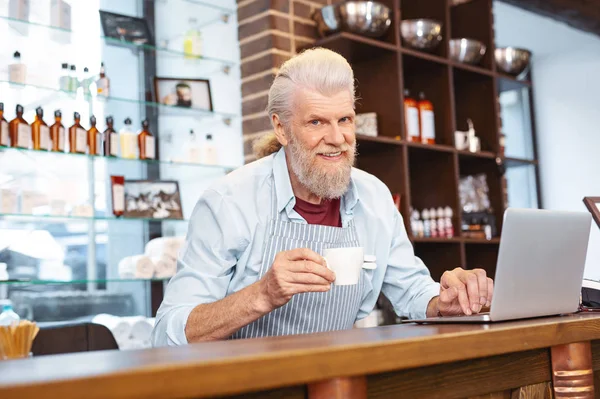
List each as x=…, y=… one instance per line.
x=132, y=344
x=141, y=328
x=139, y=266
x=164, y=247
x=119, y=327
x=164, y=267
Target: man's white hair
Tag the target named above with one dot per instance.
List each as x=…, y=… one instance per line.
x=318, y=69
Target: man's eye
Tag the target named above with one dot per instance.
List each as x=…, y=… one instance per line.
x=345, y=119
x=314, y=122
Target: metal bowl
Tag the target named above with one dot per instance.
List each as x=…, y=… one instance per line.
x=328, y=20
x=367, y=18
x=513, y=61
x=422, y=34
x=467, y=51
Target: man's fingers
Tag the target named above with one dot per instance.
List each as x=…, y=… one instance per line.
x=449, y=295
x=452, y=281
x=301, y=288
x=490, y=289
x=310, y=267
x=483, y=286
x=472, y=286
x=304, y=253
x=308, y=278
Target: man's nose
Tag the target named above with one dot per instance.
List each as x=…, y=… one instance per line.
x=334, y=136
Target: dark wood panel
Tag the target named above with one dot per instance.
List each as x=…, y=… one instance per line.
x=430, y=9
x=354, y=47
x=463, y=379
x=378, y=92
x=298, y=392
x=482, y=257
x=472, y=20
x=433, y=80
x=385, y=162
x=439, y=257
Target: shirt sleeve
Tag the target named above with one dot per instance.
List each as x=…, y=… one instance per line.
x=205, y=266
x=407, y=282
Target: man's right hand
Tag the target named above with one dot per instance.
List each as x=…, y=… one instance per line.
x=293, y=272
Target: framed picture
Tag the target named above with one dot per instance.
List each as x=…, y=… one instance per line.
x=593, y=205
x=188, y=93
x=152, y=199
x=125, y=28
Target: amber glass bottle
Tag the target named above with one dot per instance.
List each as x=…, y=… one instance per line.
x=4, y=136
x=77, y=136
x=426, y=120
x=146, y=142
x=411, y=118
x=20, y=131
x=57, y=133
x=94, y=141
x=40, y=132
x=110, y=139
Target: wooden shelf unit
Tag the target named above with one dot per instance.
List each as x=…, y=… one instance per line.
x=428, y=175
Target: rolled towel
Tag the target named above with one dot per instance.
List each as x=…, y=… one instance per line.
x=164, y=247
x=126, y=268
x=132, y=344
x=119, y=327
x=141, y=328
x=164, y=267
x=144, y=267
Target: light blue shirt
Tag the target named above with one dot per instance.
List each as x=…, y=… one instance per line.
x=224, y=244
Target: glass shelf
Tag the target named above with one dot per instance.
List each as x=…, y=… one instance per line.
x=171, y=110
x=99, y=281
x=66, y=218
x=196, y=3
x=29, y=28
x=68, y=155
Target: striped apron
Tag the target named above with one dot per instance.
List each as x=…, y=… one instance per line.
x=309, y=312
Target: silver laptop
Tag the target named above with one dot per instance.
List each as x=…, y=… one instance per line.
x=540, y=266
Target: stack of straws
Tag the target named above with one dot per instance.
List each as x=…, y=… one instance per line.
x=16, y=340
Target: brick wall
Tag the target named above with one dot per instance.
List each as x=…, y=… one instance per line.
x=270, y=32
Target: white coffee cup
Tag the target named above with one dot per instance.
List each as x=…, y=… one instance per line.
x=346, y=263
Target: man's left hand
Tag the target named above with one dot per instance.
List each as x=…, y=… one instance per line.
x=464, y=292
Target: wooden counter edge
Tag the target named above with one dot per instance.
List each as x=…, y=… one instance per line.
x=295, y=367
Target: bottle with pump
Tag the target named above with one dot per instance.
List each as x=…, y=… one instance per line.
x=77, y=136
x=40, y=132
x=426, y=119
x=57, y=133
x=17, y=71
x=110, y=138
x=192, y=43
x=146, y=142
x=4, y=135
x=193, y=149
x=103, y=83
x=209, y=151
x=20, y=131
x=94, y=141
x=411, y=118
x=128, y=141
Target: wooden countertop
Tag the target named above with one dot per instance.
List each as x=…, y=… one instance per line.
x=230, y=367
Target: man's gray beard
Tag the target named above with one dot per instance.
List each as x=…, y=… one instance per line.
x=327, y=184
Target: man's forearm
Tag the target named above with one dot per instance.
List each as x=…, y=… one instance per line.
x=433, y=308
x=220, y=319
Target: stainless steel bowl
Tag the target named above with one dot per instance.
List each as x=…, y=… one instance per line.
x=367, y=18
x=511, y=60
x=422, y=34
x=467, y=51
x=328, y=20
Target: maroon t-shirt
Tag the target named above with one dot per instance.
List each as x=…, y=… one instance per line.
x=327, y=213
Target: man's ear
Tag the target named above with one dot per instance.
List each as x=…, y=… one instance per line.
x=279, y=130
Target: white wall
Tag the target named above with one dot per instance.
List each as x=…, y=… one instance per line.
x=565, y=66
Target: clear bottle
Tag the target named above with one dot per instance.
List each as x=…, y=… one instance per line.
x=17, y=71
x=73, y=82
x=128, y=141
x=426, y=223
x=40, y=132
x=77, y=136
x=110, y=138
x=146, y=142
x=411, y=118
x=193, y=149
x=3, y=277
x=64, y=81
x=85, y=81
x=209, y=151
x=433, y=223
x=426, y=120
x=103, y=83
x=20, y=131
x=448, y=213
x=4, y=135
x=94, y=141
x=8, y=315
x=57, y=133
x=192, y=42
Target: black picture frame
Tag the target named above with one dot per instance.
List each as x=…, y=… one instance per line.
x=166, y=92
x=142, y=203
x=126, y=29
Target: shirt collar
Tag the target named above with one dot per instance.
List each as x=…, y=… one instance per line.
x=285, y=193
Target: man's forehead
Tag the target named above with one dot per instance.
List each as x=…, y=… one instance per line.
x=310, y=101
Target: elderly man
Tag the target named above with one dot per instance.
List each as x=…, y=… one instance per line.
x=252, y=264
